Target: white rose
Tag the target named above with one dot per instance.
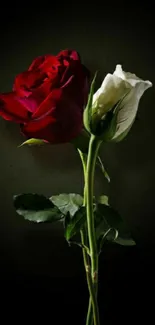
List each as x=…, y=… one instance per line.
x=123, y=91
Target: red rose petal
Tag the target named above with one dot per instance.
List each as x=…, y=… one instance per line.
x=57, y=120
x=29, y=103
x=50, y=66
x=49, y=98
x=54, y=130
x=72, y=54
x=26, y=81
x=49, y=104
x=37, y=62
x=12, y=109
x=36, y=126
x=44, y=64
x=26, y=86
x=40, y=94
x=75, y=78
x=40, y=129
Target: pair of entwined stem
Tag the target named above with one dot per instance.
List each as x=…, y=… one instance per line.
x=88, y=235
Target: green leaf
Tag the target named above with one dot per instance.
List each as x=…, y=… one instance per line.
x=73, y=224
x=87, y=115
x=125, y=241
x=110, y=235
x=103, y=169
x=108, y=219
x=103, y=199
x=111, y=216
x=33, y=142
x=36, y=208
x=101, y=225
x=67, y=202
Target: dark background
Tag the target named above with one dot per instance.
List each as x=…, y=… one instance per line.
x=40, y=275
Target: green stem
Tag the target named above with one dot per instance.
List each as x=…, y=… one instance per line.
x=91, y=162
x=86, y=260
x=84, y=241
x=89, y=320
x=83, y=157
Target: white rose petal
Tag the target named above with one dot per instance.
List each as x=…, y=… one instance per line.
x=111, y=91
x=127, y=110
x=123, y=89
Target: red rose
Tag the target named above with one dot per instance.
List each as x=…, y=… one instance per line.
x=48, y=99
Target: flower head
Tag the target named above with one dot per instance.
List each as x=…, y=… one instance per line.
x=48, y=99
x=114, y=106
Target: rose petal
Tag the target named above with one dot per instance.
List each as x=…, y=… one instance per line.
x=111, y=91
x=55, y=130
x=131, y=78
x=50, y=66
x=39, y=94
x=57, y=120
x=12, y=109
x=49, y=104
x=70, y=94
x=127, y=110
x=35, y=95
x=41, y=69
x=27, y=81
x=75, y=78
x=30, y=103
x=37, y=126
x=70, y=54
x=37, y=62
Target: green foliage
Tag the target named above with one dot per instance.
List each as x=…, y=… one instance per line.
x=99, y=162
x=73, y=224
x=36, y=208
x=103, y=199
x=110, y=226
x=33, y=142
x=67, y=202
x=87, y=116
x=75, y=215
x=69, y=208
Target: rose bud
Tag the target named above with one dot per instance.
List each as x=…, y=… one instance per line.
x=112, y=109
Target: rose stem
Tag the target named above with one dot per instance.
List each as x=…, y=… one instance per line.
x=84, y=242
x=90, y=171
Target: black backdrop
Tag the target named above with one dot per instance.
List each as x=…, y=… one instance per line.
x=42, y=277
